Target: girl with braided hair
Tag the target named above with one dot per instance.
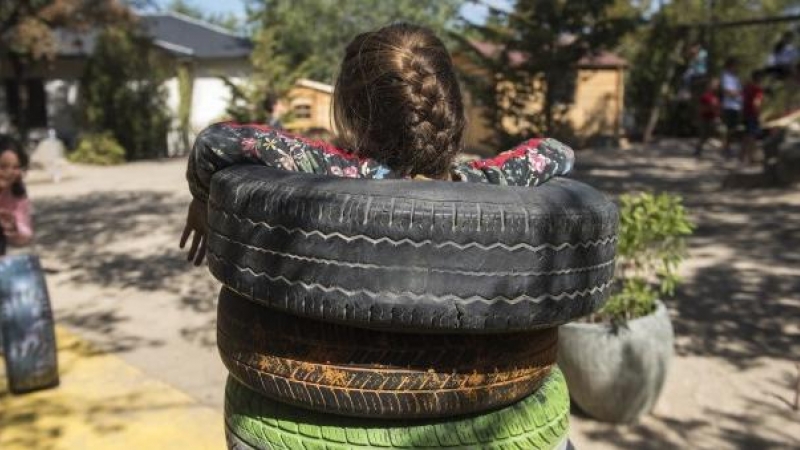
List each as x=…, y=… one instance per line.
x=398, y=113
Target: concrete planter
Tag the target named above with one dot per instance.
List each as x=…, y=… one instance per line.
x=617, y=375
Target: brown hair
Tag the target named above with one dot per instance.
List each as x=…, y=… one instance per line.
x=397, y=100
x=9, y=144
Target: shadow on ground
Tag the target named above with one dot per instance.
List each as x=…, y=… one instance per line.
x=123, y=240
x=737, y=307
x=739, y=301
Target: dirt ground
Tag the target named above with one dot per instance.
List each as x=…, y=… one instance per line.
x=108, y=239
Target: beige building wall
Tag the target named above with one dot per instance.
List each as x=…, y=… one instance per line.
x=595, y=112
x=309, y=106
x=597, y=109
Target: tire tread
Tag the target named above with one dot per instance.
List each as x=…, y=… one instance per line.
x=246, y=410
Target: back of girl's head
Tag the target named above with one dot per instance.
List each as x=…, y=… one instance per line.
x=7, y=143
x=397, y=100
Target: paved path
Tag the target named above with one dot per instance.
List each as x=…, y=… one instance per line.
x=108, y=238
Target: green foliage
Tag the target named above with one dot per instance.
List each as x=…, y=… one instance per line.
x=98, y=149
x=272, y=79
x=306, y=39
x=28, y=36
x=314, y=33
x=533, y=71
x=650, y=248
x=123, y=93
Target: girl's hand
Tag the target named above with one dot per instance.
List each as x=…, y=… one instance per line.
x=196, y=222
x=8, y=223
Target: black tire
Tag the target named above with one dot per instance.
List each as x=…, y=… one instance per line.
x=368, y=373
x=407, y=255
x=538, y=422
x=26, y=325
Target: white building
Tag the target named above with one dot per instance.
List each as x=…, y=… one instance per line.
x=211, y=52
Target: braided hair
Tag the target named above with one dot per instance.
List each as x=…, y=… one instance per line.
x=397, y=101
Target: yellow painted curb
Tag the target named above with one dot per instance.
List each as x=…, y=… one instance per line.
x=104, y=403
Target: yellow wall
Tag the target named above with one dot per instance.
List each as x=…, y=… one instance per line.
x=598, y=103
x=596, y=110
x=320, y=103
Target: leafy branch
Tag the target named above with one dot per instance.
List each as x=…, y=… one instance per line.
x=650, y=249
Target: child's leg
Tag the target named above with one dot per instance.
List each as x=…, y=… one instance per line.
x=749, y=143
x=730, y=119
x=706, y=129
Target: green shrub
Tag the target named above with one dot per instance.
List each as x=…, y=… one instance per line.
x=651, y=246
x=122, y=91
x=98, y=148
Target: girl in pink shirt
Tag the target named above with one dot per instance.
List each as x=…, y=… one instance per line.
x=15, y=209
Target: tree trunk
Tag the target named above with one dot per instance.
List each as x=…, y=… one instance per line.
x=186, y=89
x=548, y=106
x=662, y=93
x=18, y=67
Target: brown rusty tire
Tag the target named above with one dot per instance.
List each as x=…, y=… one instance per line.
x=359, y=372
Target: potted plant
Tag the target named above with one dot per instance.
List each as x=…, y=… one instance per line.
x=616, y=360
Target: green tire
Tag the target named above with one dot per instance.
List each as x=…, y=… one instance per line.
x=538, y=422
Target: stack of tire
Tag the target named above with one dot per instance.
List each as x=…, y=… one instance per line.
x=398, y=314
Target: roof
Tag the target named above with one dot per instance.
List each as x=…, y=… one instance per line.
x=316, y=85
x=185, y=35
x=175, y=33
x=596, y=60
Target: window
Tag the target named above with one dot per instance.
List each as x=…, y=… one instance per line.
x=562, y=88
x=32, y=92
x=301, y=110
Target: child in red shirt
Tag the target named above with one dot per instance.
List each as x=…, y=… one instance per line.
x=753, y=97
x=709, y=114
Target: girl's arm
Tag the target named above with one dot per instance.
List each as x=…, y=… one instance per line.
x=17, y=223
x=225, y=144
x=529, y=164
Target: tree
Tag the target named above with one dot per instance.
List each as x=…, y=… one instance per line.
x=27, y=35
x=314, y=33
x=123, y=92
x=306, y=39
x=272, y=79
x=532, y=58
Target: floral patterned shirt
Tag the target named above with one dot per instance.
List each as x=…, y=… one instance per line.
x=224, y=144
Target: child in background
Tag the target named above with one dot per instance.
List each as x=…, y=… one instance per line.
x=709, y=113
x=15, y=209
x=731, y=99
x=752, y=99
x=398, y=113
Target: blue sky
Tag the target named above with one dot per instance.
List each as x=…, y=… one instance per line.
x=472, y=12
x=213, y=6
